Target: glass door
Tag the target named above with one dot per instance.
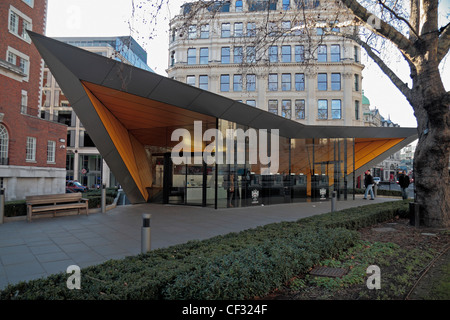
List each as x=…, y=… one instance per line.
x=194, y=181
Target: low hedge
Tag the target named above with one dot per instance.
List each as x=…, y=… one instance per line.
x=15, y=208
x=380, y=192
x=232, y=266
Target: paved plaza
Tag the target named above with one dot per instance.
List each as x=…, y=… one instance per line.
x=31, y=250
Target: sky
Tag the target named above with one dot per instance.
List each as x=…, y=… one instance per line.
x=78, y=18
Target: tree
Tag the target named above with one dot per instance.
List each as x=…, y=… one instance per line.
x=412, y=28
x=424, y=49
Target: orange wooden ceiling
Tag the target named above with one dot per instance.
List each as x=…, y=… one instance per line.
x=148, y=120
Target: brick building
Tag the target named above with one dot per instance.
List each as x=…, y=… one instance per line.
x=32, y=150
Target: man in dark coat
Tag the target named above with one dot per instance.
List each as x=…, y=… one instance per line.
x=403, y=181
x=368, y=183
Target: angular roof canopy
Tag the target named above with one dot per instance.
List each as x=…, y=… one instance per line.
x=125, y=108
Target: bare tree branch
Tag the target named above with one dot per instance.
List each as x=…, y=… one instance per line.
x=444, y=42
x=383, y=29
x=399, y=18
x=403, y=87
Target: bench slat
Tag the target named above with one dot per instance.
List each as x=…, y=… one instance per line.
x=58, y=207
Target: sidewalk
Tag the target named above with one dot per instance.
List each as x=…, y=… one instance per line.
x=31, y=250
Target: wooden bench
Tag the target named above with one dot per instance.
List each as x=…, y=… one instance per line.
x=55, y=202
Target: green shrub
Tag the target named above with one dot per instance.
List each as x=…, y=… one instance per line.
x=232, y=266
x=96, y=201
x=380, y=192
x=15, y=208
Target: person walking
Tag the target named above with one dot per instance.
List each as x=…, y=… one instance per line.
x=368, y=183
x=403, y=181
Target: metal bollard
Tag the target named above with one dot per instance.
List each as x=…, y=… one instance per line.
x=103, y=198
x=2, y=205
x=333, y=202
x=145, y=233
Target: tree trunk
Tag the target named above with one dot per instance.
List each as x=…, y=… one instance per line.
x=431, y=160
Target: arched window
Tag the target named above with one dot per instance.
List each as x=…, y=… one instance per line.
x=4, y=140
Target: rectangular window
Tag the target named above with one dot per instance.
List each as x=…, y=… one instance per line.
x=273, y=106
x=25, y=26
x=335, y=81
x=356, y=110
x=192, y=32
x=356, y=54
x=191, y=56
x=322, y=53
x=12, y=58
x=299, y=109
x=286, y=109
x=285, y=53
x=237, y=55
x=224, y=83
x=225, y=55
x=238, y=29
x=322, y=82
x=204, y=31
x=251, y=54
x=204, y=56
x=237, y=82
x=273, y=82
x=335, y=53
x=226, y=30
x=273, y=54
x=19, y=59
x=24, y=102
x=286, y=27
x=356, y=82
x=272, y=29
x=203, y=82
x=299, y=53
x=251, y=29
x=299, y=82
x=286, y=4
x=31, y=149
x=251, y=103
x=23, y=65
x=51, y=150
x=13, y=23
x=251, y=82
x=322, y=109
x=336, y=112
x=238, y=6
x=190, y=80
x=286, y=82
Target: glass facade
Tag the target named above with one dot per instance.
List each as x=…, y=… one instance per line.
x=238, y=166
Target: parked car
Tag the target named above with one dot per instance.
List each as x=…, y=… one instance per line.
x=376, y=180
x=74, y=186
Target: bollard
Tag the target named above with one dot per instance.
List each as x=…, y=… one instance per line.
x=103, y=198
x=333, y=202
x=145, y=233
x=2, y=204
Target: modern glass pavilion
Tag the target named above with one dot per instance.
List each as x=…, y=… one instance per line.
x=131, y=115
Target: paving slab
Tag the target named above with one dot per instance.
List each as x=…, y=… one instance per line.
x=30, y=250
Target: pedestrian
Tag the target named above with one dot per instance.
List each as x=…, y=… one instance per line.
x=403, y=181
x=368, y=183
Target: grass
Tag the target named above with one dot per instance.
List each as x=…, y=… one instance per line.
x=399, y=270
